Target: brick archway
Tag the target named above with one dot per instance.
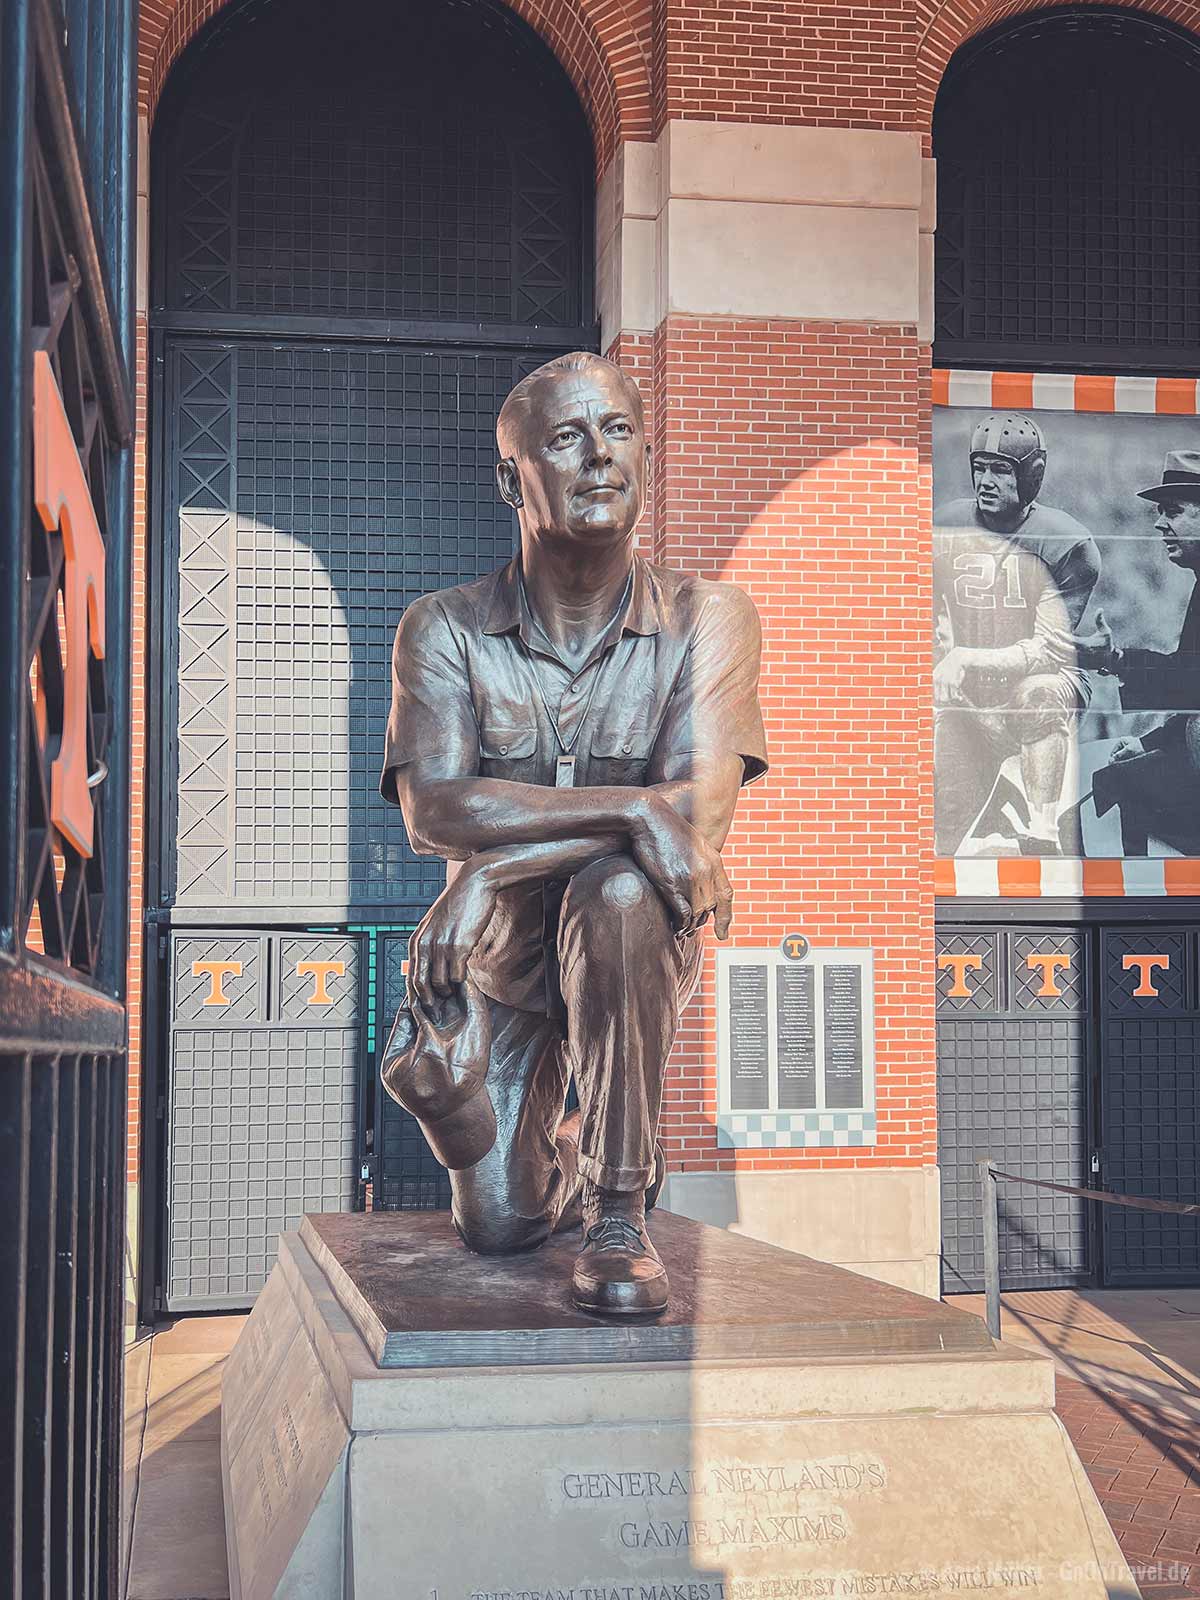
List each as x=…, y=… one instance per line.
x=602, y=45
x=946, y=24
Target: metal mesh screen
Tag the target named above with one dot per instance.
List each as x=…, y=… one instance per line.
x=426, y=161
x=1069, y=196
x=317, y=492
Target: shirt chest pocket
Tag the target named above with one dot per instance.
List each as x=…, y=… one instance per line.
x=508, y=752
x=620, y=755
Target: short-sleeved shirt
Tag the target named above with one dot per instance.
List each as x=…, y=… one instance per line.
x=674, y=674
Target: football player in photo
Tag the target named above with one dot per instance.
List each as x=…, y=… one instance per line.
x=1012, y=581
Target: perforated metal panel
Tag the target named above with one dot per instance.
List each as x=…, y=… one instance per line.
x=316, y=493
x=1013, y=1084
x=1151, y=1105
x=262, y=1116
x=1068, y=173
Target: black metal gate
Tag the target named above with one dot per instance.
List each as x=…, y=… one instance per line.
x=1097, y=1085
x=1150, y=1106
x=66, y=209
x=371, y=222
x=1015, y=1066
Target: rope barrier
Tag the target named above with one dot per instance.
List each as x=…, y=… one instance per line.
x=1104, y=1196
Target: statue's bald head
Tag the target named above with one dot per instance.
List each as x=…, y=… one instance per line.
x=533, y=391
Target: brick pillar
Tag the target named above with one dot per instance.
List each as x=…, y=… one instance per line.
x=777, y=274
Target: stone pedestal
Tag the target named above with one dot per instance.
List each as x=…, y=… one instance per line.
x=404, y=1421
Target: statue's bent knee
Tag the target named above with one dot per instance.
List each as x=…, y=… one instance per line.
x=611, y=887
x=500, y=1235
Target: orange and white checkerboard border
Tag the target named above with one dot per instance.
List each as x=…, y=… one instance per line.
x=1056, y=391
x=1030, y=878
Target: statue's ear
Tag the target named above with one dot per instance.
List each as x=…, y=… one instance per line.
x=508, y=481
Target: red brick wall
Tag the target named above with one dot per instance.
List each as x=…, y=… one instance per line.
x=785, y=61
x=793, y=459
x=874, y=64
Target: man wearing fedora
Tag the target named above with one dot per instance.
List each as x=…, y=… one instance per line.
x=1150, y=679
x=1156, y=779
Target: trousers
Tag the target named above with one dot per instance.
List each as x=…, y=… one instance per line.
x=624, y=978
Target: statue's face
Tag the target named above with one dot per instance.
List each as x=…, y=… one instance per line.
x=581, y=459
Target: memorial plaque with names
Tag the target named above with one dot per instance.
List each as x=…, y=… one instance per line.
x=796, y=1037
x=796, y=1046
x=748, y=1031
x=843, y=1036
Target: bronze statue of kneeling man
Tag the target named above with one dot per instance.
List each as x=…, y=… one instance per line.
x=571, y=733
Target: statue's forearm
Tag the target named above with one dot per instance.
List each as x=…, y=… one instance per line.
x=509, y=865
x=460, y=817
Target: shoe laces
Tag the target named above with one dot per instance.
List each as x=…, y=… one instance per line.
x=615, y=1232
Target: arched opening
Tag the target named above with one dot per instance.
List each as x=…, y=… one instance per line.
x=368, y=223
x=1068, y=173
x=1066, y=452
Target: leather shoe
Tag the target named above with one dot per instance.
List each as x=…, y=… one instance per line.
x=618, y=1273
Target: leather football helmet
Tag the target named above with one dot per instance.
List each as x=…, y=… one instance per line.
x=1016, y=438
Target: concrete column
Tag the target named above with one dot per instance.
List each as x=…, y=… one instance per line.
x=734, y=219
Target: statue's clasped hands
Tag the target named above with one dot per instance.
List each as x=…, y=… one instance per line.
x=675, y=856
x=682, y=865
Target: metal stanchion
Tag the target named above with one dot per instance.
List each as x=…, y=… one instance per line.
x=991, y=1243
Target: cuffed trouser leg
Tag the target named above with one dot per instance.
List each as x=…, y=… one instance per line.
x=624, y=980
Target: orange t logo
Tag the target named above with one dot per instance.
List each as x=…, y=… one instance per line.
x=1049, y=963
x=216, y=972
x=958, y=965
x=1145, y=966
x=320, y=972
x=60, y=493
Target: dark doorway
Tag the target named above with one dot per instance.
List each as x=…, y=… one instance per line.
x=1068, y=233
x=370, y=222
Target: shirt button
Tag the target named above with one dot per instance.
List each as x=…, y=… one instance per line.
x=503, y=749
x=626, y=748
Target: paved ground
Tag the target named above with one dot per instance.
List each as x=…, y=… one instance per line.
x=172, y=1461
x=1128, y=1393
